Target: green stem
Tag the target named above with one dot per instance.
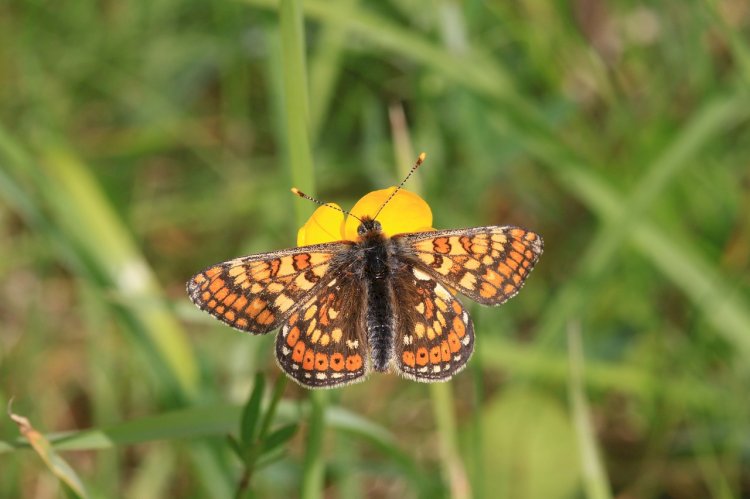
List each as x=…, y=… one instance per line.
x=312, y=478
x=450, y=462
x=594, y=475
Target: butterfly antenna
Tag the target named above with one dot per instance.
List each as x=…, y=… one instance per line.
x=419, y=161
x=321, y=203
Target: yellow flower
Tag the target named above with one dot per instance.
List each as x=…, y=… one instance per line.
x=405, y=212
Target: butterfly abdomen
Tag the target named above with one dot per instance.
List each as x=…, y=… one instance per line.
x=380, y=323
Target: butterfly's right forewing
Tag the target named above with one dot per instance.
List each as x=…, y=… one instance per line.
x=487, y=264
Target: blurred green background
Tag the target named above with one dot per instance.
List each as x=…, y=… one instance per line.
x=142, y=141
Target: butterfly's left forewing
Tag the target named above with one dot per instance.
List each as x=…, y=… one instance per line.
x=257, y=293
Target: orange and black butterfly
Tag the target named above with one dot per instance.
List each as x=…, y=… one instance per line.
x=376, y=303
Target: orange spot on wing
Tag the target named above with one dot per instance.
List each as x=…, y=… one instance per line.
x=231, y=299
x=216, y=285
x=229, y=316
x=530, y=236
x=199, y=279
x=435, y=354
x=509, y=289
x=458, y=327
x=429, y=308
x=265, y=317
x=240, y=303
x=309, y=360
x=292, y=336
x=212, y=304
x=275, y=264
x=456, y=306
x=517, y=278
x=302, y=261
x=504, y=269
x=323, y=315
x=453, y=342
x=293, y=319
x=337, y=362
x=408, y=358
x=441, y=245
x=206, y=296
x=241, y=322
x=213, y=272
x=299, y=352
x=445, y=351
x=487, y=290
x=518, y=257
x=321, y=361
x=492, y=277
x=518, y=233
x=353, y=362
x=223, y=292
x=518, y=246
x=422, y=356
x=255, y=307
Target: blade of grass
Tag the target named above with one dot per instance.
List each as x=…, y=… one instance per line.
x=552, y=367
x=85, y=215
x=594, y=475
x=714, y=118
x=56, y=464
x=324, y=70
x=97, y=247
x=475, y=70
x=296, y=109
x=705, y=287
x=441, y=394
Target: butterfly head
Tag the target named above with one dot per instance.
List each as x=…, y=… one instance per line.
x=369, y=226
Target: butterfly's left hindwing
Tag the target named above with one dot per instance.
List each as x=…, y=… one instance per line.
x=257, y=293
x=323, y=344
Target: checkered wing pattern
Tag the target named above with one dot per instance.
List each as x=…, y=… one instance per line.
x=258, y=293
x=323, y=344
x=434, y=334
x=487, y=264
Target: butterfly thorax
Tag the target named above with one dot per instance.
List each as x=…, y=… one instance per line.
x=377, y=276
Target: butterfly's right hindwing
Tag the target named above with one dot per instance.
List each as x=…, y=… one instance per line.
x=434, y=335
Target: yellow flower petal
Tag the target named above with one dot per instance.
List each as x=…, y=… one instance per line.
x=406, y=212
x=325, y=225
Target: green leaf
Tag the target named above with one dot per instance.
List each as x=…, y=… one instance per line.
x=236, y=447
x=251, y=413
x=279, y=437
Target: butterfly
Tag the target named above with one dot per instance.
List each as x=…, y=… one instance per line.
x=378, y=303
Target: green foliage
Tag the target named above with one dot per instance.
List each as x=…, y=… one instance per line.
x=142, y=141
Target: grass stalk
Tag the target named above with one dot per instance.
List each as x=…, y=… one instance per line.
x=297, y=112
x=595, y=479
